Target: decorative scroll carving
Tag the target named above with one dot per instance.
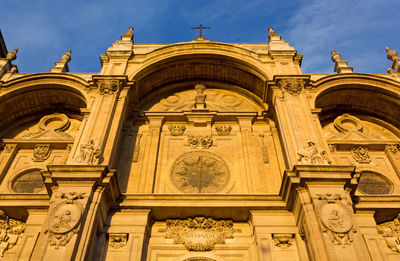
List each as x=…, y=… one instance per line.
x=199, y=233
x=88, y=153
x=283, y=240
x=264, y=150
x=176, y=130
x=201, y=142
x=199, y=172
x=41, y=152
x=11, y=230
x=390, y=231
x=9, y=148
x=136, y=150
x=336, y=219
x=64, y=219
x=117, y=240
x=361, y=155
x=108, y=86
x=292, y=86
x=223, y=130
x=312, y=156
x=393, y=148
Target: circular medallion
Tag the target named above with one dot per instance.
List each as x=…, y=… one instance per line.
x=55, y=121
x=199, y=172
x=374, y=183
x=336, y=218
x=28, y=182
x=64, y=217
x=347, y=122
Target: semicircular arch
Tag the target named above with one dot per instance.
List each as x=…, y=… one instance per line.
x=28, y=98
x=361, y=94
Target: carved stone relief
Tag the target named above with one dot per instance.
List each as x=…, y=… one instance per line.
x=374, y=183
x=264, y=150
x=292, y=86
x=360, y=154
x=88, y=153
x=108, y=86
x=136, y=150
x=220, y=100
x=41, y=152
x=9, y=148
x=11, y=231
x=336, y=219
x=390, y=231
x=393, y=148
x=28, y=182
x=199, y=233
x=64, y=219
x=199, y=172
x=312, y=156
x=283, y=240
x=200, y=142
x=117, y=241
x=223, y=130
x=176, y=130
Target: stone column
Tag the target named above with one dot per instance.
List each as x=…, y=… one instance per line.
x=321, y=199
x=245, y=124
x=80, y=199
x=6, y=158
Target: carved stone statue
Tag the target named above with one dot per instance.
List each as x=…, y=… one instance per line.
x=311, y=155
x=89, y=153
x=200, y=99
x=128, y=35
x=271, y=32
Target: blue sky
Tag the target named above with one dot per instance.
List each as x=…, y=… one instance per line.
x=358, y=30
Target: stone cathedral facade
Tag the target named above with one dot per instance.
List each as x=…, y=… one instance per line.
x=199, y=151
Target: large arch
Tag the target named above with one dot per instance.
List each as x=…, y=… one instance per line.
x=362, y=94
x=30, y=97
x=200, y=62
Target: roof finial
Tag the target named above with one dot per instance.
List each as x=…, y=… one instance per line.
x=340, y=66
x=11, y=56
x=391, y=54
x=335, y=57
x=66, y=57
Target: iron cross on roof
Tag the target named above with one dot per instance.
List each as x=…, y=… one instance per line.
x=201, y=27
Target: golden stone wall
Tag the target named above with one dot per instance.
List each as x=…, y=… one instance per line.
x=199, y=151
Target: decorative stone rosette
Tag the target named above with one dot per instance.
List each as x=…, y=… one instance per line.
x=199, y=233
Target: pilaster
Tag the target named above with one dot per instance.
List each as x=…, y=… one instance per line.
x=321, y=198
x=80, y=199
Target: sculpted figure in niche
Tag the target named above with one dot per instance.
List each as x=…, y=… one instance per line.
x=311, y=155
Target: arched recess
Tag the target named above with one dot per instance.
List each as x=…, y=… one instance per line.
x=29, y=98
x=359, y=94
x=185, y=70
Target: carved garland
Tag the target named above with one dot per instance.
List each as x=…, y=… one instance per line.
x=200, y=142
